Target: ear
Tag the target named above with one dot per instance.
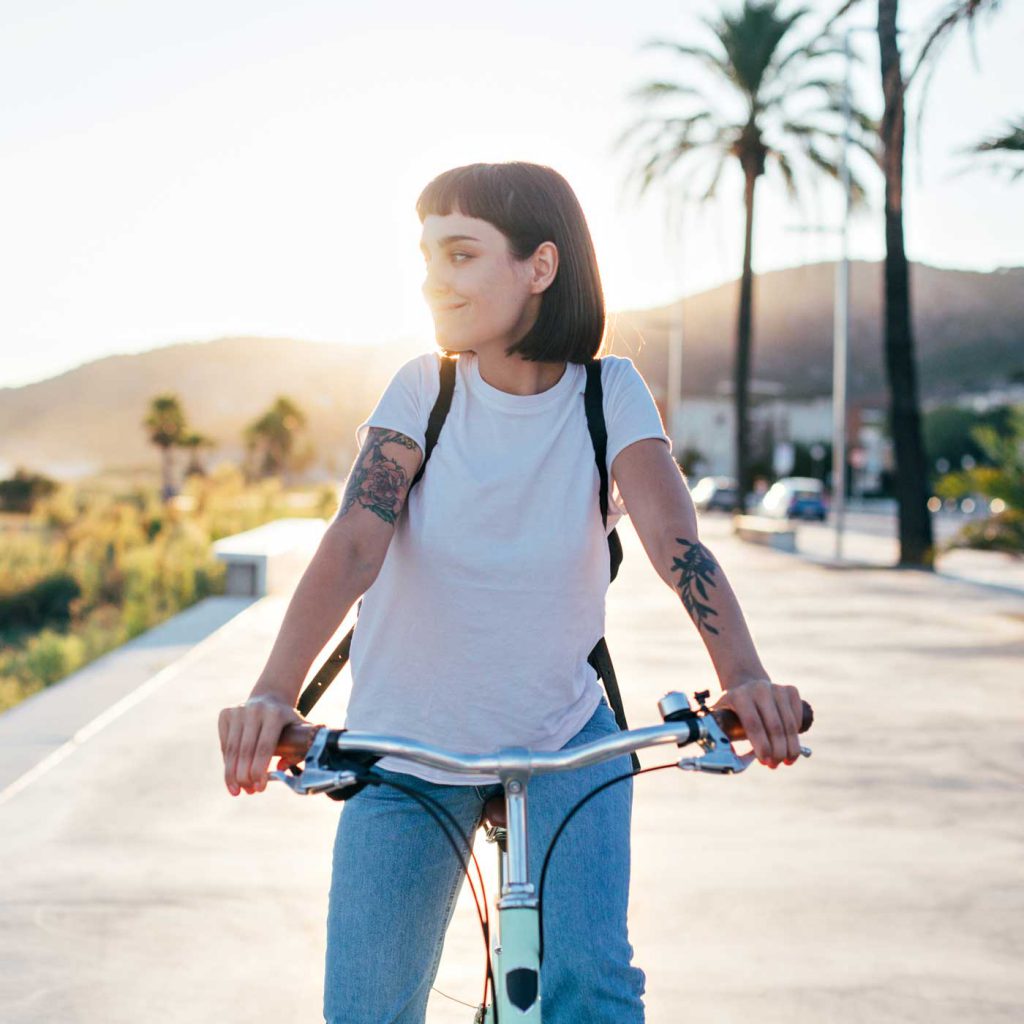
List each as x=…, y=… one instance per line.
x=544, y=266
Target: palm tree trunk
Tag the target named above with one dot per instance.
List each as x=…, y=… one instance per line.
x=168, y=473
x=741, y=368
x=915, y=527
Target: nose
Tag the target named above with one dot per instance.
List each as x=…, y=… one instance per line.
x=433, y=280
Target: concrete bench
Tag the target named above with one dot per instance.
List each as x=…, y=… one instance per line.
x=270, y=558
x=773, y=533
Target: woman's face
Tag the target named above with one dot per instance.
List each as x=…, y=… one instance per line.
x=479, y=294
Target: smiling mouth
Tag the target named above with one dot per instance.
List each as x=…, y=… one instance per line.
x=449, y=309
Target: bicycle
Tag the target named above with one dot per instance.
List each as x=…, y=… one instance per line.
x=339, y=763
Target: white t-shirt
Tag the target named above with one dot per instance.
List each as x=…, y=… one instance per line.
x=475, y=634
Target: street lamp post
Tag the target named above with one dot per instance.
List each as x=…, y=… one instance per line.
x=841, y=317
x=841, y=326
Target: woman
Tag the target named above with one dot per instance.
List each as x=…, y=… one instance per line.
x=482, y=602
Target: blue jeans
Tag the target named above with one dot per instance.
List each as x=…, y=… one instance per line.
x=395, y=881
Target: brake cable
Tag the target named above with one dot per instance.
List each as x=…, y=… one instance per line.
x=484, y=915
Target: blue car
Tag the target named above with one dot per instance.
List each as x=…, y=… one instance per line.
x=795, y=497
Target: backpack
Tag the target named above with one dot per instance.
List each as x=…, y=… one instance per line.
x=599, y=657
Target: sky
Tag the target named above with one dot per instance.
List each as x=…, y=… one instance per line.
x=186, y=171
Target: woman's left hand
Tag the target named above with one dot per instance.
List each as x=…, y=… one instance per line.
x=770, y=716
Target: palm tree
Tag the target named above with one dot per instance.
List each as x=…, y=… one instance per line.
x=166, y=424
x=192, y=443
x=911, y=478
x=754, y=61
x=912, y=485
x=275, y=434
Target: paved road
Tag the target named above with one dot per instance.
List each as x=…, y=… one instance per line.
x=881, y=881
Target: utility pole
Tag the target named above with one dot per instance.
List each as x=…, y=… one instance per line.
x=841, y=325
x=674, y=387
x=841, y=316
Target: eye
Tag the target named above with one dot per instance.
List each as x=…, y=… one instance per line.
x=465, y=255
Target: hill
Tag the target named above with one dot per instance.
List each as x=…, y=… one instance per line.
x=969, y=332
x=90, y=418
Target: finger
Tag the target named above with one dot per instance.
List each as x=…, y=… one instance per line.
x=247, y=748
x=222, y=728
x=270, y=731
x=788, y=699
x=233, y=727
x=750, y=718
x=776, y=731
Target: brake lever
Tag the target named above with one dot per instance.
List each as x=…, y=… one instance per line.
x=719, y=757
x=314, y=779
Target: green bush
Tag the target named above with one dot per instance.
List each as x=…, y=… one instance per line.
x=1002, y=480
x=47, y=602
x=23, y=490
x=96, y=564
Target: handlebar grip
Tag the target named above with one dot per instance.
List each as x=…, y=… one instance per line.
x=295, y=740
x=730, y=724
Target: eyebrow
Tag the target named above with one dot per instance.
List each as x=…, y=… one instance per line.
x=448, y=239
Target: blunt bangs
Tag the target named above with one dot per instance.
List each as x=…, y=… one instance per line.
x=529, y=204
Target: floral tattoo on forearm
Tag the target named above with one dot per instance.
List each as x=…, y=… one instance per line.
x=697, y=568
x=377, y=482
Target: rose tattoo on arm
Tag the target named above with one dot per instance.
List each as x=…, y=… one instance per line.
x=697, y=568
x=377, y=482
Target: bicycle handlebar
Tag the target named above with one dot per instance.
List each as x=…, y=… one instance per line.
x=296, y=740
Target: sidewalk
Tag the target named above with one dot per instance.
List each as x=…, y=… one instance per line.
x=984, y=568
x=881, y=881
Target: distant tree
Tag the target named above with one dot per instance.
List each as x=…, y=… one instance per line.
x=167, y=426
x=949, y=434
x=271, y=439
x=23, y=490
x=1002, y=480
x=753, y=60
x=193, y=443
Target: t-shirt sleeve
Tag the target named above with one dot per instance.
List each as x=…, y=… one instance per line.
x=630, y=412
x=405, y=403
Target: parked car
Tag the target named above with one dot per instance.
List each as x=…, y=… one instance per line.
x=795, y=497
x=714, y=492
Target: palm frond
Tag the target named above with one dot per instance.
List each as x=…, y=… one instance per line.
x=782, y=162
x=832, y=89
x=1011, y=140
x=659, y=89
x=959, y=12
x=842, y=11
x=811, y=51
x=712, y=61
x=716, y=176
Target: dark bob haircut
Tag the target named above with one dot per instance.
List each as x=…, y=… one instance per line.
x=530, y=204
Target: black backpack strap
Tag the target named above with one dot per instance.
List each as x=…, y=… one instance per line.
x=325, y=676
x=593, y=404
x=601, y=661
x=439, y=413
x=336, y=662
x=599, y=658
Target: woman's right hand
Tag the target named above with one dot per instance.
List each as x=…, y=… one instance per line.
x=249, y=734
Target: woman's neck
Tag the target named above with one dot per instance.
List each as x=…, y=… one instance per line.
x=518, y=376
